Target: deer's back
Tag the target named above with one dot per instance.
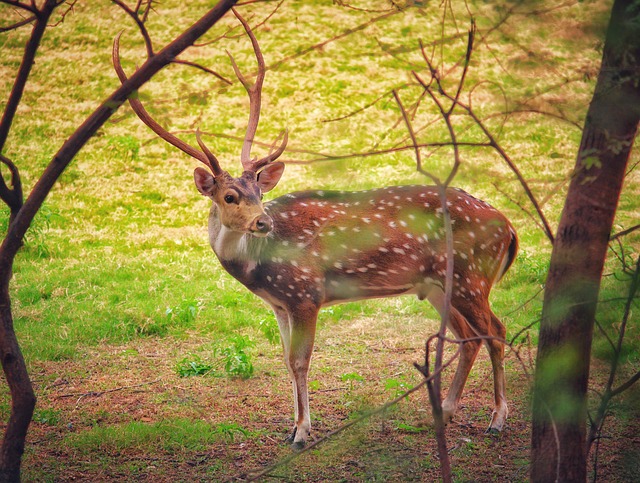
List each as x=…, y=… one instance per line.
x=330, y=246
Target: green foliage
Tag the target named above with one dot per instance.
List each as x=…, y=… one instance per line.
x=185, y=312
x=230, y=359
x=118, y=257
x=236, y=360
x=269, y=329
x=397, y=386
x=49, y=417
x=193, y=366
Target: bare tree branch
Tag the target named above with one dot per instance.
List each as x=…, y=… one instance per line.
x=496, y=146
x=17, y=25
x=610, y=392
x=42, y=17
x=70, y=148
x=624, y=232
x=13, y=197
x=204, y=69
x=28, y=7
x=139, y=22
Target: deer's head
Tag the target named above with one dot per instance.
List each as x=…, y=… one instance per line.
x=238, y=200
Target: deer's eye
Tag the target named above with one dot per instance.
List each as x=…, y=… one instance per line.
x=229, y=199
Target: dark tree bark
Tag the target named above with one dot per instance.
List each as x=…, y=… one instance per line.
x=13, y=364
x=23, y=399
x=562, y=367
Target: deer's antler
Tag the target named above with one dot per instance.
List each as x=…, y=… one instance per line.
x=255, y=99
x=205, y=156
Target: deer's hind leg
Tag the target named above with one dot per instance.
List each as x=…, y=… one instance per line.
x=461, y=329
x=495, y=346
x=468, y=353
x=482, y=321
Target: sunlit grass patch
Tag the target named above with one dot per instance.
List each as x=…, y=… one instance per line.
x=167, y=435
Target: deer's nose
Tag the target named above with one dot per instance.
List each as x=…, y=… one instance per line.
x=262, y=225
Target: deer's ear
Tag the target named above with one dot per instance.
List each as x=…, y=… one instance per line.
x=268, y=178
x=205, y=182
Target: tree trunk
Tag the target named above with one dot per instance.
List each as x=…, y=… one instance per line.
x=558, y=450
x=23, y=400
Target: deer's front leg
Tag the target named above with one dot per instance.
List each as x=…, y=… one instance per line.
x=303, y=328
x=282, y=316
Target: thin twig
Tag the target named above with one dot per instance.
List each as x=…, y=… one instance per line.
x=624, y=232
x=203, y=68
x=13, y=197
x=28, y=7
x=140, y=24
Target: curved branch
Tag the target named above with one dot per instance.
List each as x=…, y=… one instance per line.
x=624, y=232
x=139, y=22
x=17, y=25
x=42, y=16
x=203, y=68
x=496, y=146
x=11, y=196
x=28, y=7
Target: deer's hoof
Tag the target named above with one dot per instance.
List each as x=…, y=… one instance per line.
x=289, y=439
x=298, y=445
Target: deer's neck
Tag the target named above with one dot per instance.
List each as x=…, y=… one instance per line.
x=238, y=252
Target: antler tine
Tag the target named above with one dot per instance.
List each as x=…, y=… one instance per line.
x=212, y=161
x=205, y=156
x=255, y=94
x=274, y=154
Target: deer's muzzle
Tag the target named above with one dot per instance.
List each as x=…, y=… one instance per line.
x=262, y=225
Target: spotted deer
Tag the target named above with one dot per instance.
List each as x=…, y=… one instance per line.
x=310, y=249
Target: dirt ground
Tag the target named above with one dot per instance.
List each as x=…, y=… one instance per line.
x=357, y=367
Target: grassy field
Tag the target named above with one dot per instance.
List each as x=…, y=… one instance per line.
x=150, y=361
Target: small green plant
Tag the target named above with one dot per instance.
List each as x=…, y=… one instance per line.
x=236, y=361
x=270, y=331
x=409, y=428
x=185, y=312
x=398, y=386
x=351, y=378
x=232, y=360
x=193, y=366
x=46, y=416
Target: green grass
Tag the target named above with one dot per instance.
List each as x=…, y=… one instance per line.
x=118, y=257
x=168, y=435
